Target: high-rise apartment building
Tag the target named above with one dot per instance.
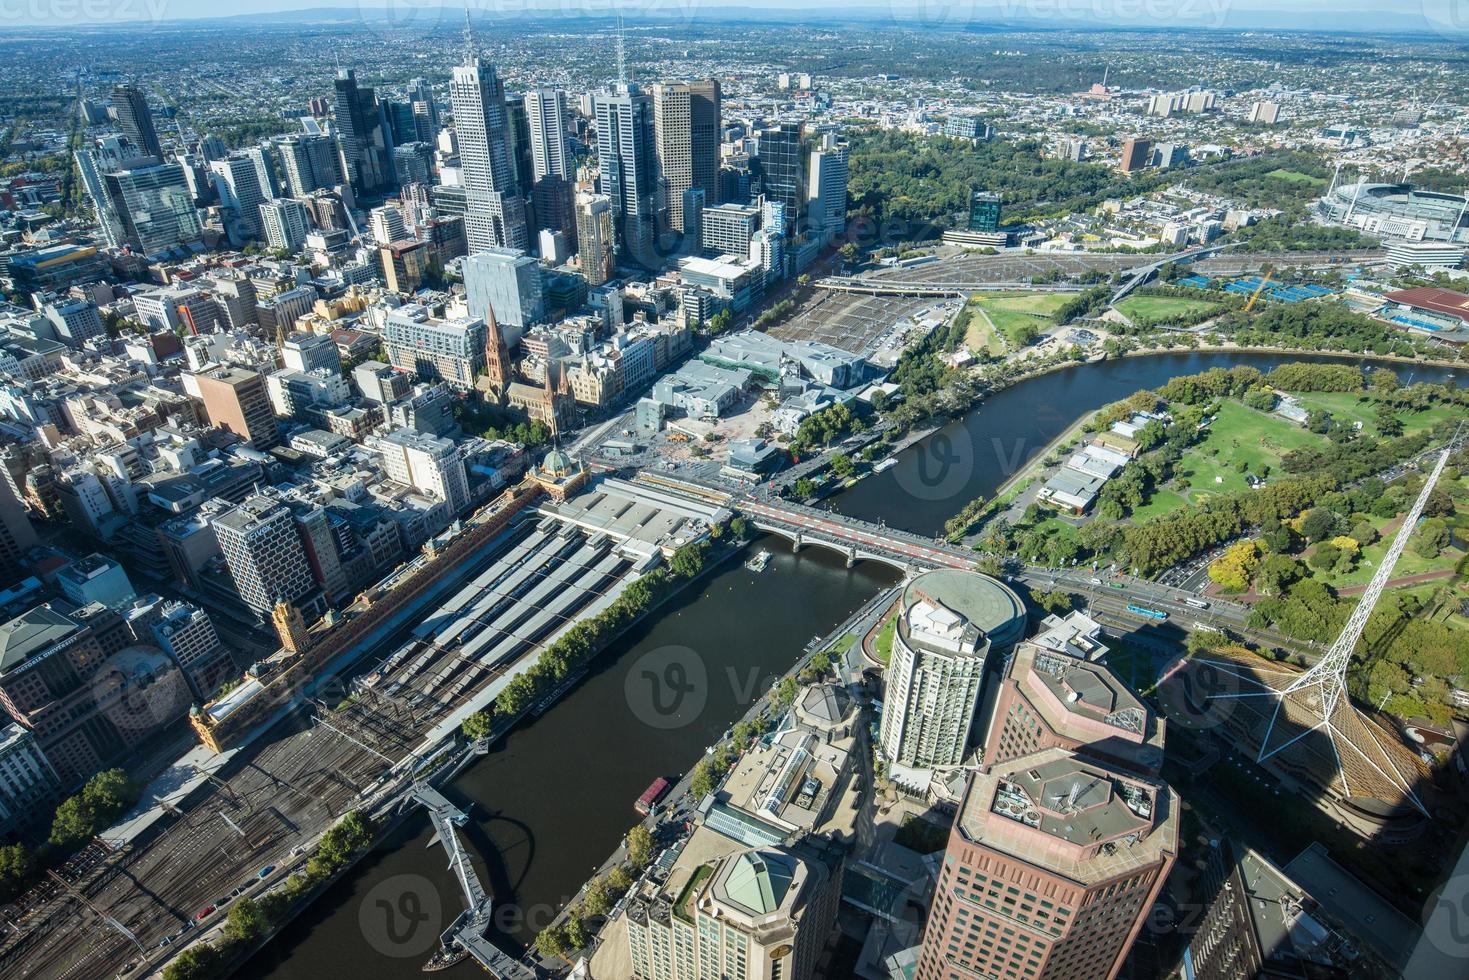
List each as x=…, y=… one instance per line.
x=626, y=154
x=17, y=536
x=1052, y=864
x=545, y=111
x=949, y=623
x=135, y=120
x=826, y=188
x=237, y=400
x=1136, y=155
x=595, y=237
x=311, y=162
x=285, y=223
x=495, y=212
x=1265, y=113
x=265, y=556
x=237, y=181
x=366, y=143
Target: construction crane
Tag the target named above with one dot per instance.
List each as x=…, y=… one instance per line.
x=1255, y=296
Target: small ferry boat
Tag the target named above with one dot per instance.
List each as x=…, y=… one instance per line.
x=445, y=957
x=885, y=465
x=758, y=563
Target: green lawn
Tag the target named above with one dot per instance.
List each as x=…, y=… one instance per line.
x=1239, y=434
x=1348, y=407
x=1296, y=177
x=1158, y=308
x=883, y=645
x=1410, y=563
x=1162, y=502
x=1016, y=314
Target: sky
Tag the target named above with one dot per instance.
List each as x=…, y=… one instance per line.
x=1442, y=16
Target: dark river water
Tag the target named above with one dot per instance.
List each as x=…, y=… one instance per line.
x=555, y=797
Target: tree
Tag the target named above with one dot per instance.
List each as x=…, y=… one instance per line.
x=247, y=922
x=199, y=962
x=576, y=930
x=597, y=899
x=17, y=864
x=1276, y=574
x=640, y=842
x=704, y=779
x=1052, y=600
x=619, y=880
x=477, y=725
x=842, y=465
x=1364, y=534
x=551, y=942
x=1431, y=538
x=1232, y=570
x=1318, y=524
x=804, y=488
x=1324, y=557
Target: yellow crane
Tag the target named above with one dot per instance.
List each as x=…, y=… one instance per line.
x=1258, y=290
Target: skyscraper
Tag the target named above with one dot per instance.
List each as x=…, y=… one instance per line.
x=425, y=113
x=310, y=162
x=545, y=111
x=594, y=237
x=827, y=188
x=781, y=177
x=366, y=145
x=686, y=121
x=984, y=211
x=949, y=624
x=496, y=211
x=671, y=125
x=1052, y=863
x=285, y=223
x=135, y=120
x=1136, y=153
x=152, y=207
x=705, y=121
x=237, y=180
x=629, y=167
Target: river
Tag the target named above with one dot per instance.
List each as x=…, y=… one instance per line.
x=551, y=801
x=974, y=456
x=554, y=798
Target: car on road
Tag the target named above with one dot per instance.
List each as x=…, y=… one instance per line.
x=265, y=871
x=1096, y=581
x=204, y=913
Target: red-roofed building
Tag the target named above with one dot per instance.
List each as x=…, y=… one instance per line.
x=1442, y=312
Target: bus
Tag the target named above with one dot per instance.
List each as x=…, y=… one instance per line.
x=1196, y=602
x=1146, y=613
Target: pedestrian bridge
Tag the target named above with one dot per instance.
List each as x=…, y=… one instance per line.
x=468, y=930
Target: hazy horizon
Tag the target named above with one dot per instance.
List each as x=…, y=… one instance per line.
x=1360, y=16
